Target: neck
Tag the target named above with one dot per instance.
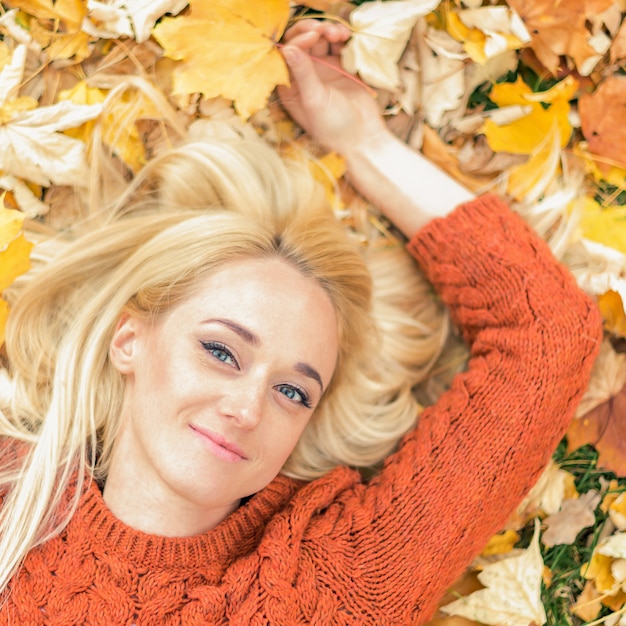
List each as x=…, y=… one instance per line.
x=148, y=506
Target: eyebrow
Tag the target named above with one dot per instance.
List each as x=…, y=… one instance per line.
x=248, y=336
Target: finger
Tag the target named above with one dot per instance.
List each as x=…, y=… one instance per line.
x=300, y=27
x=310, y=87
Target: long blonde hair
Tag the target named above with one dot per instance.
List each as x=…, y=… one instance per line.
x=190, y=210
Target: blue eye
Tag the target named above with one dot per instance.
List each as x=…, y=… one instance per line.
x=220, y=352
x=294, y=394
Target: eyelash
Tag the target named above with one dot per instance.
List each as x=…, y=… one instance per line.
x=214, y=346
x=211, y=346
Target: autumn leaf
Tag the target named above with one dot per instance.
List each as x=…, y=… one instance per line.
x=606, y=225
x=512, y=594
x=486, y=31
x=528, y=133
x=612, y=308
x=603, y=119
x=605, y=429
x=562, y=29
x=575, y=515
x=14, y=255
x=227, y=49
x=381, y=32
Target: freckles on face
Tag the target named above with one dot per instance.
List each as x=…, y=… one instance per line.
x=221, y=388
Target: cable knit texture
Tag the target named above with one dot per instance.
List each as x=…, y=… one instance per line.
x=337, y=551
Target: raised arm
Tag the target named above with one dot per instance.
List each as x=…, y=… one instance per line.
x=533, y=336
x=343, y=116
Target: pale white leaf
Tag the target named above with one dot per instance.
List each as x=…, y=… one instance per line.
x=17, y=32
x=613, y=546
x=30, y=147
x=512, y=596
x=443, y=75
x=107, y=20
x=548, y=492
x=381, y=32
x=145, y=13
x=597, y=268
x=12, y=74
x=499, y=20
x=26, y=199
x=607, y=379
x=59, y=116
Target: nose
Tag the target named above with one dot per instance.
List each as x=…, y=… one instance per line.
x=244, y=403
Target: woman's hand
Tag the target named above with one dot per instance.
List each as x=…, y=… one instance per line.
x=335, y=109
x=343, y=115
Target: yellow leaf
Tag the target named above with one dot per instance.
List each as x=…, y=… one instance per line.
x=119, y=130
x=14, y=261
x=327, y=171
x=11, y=108
x=228, y=50
x=513, y=591
x=11, y=222
x=598, y=569
x=604, y=225
x=71, y=12
x=612, y=309
x=4, y=313
x=525, y=135
x=541, y=165
x=501, y=543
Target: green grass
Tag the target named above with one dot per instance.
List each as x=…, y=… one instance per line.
x=565, y=561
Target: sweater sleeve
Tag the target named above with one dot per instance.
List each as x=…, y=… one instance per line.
x=455, y=480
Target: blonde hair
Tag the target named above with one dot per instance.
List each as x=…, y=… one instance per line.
x=188, y=211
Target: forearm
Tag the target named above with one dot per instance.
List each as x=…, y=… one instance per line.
x=403, y=184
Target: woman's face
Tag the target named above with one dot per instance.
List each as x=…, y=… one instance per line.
x=218, y=392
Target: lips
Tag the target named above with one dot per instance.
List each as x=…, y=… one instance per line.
x=223, y=448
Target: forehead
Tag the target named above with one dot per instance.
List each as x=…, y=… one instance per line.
x=271, y=299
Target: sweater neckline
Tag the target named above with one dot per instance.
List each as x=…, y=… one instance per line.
x=233, y=537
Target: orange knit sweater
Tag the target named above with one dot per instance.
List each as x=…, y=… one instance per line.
x=337, y=551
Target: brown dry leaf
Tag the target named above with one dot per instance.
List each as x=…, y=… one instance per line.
x=440, y=153
x=561, y=28
x=227, y=49
x=575, y=515
x=604, y=427
x=603, y=119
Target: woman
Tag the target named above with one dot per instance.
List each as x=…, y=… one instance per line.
x=209, y=351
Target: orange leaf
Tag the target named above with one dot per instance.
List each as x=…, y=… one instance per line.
x=603, y=119
x=227, y=49
x=604, y=428
x=560, y=28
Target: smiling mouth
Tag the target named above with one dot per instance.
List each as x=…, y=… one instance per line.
x=219, y=446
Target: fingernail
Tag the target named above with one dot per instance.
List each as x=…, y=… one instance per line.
x=292, y=55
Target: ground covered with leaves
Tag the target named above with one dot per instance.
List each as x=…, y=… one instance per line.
x=526, y=98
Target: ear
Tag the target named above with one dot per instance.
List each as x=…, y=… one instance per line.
x=122, y=350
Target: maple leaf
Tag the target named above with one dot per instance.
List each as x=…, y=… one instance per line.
x=528, y=133
x=561, y=29
x=227, y=49
x=603, y=119
x=512, y=596
x=381, y=32
x=604, y=427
